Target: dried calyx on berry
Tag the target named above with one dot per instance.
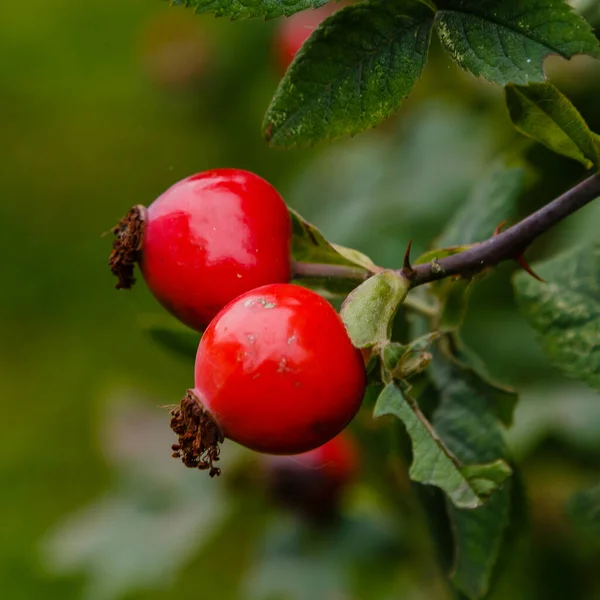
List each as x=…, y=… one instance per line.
x=129, y=233
x=275, y=372
x=205, y=241
x=199, y=435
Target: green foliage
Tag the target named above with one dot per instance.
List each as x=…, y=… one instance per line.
x=286, y=566
x=478, y=538
x=584, y=510
x=467, y=422
x=369, y=310
x=506, y=41
x=471, y=408
x=352, y=73
x=237, y=9
x=541, y=112
x=361, y=63
x=149, y=518
x=493, y=200
x=310, y=246
x=172, y=336
x=402, y=362
x=112, y=539
x=503, y=399
x=433, y=463
x=564, y=310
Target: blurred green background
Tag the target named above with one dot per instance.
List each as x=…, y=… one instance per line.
x=105, y=105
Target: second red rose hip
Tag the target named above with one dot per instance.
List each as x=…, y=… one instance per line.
x=275, y=372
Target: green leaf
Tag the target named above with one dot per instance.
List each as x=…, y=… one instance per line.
x=492, y=200
x=357, y=258
x=541, y=112
x=454, y=299
x=467, y=423
x=171, y=336
x=596, y=139
x=466, y=416
x=433, y=463
x=478, y=538
x=352, y=73
x=368, y=312
x=310, y=246
x=503, y=398
x=506, y=41
x=405, y=361
x=237, y=9
x=565, y=311
x=584, y=510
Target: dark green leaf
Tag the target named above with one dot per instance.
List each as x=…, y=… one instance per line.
x=478, y=538
x=565, y=311
x=506, y=41
x=466, y=421
x=584, y=511
x=466, y=411
x=503, y=398
x=352, y=73
x=454, y=300
x=492, y=200
x=171, y=336
x=238, y=9
x=433, y=463
x=369, y=310
x=541, y=112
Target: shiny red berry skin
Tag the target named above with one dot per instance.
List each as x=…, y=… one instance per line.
x=210, y=238
x=295, y=30
x=277, y=372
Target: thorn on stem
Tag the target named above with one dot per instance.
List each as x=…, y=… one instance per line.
x=407, y=269
x=525, y=266
x=499, y=228
x=521, y=260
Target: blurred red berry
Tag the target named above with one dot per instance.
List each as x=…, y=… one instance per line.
x=175, y=51
x=295, y=30
x=312, y=483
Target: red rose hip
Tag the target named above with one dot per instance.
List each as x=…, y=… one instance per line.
x=313, y=483
x=205, y=241
x=276, y=372
x=295, y=30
